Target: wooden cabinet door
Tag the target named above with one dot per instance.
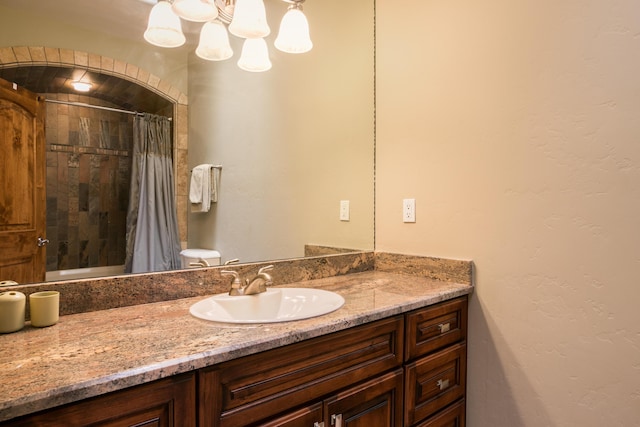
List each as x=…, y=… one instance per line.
x=306, y=417
x=22, y=177
x=170, y=402
x=375, y=403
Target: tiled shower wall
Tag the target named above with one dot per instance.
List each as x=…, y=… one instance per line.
x=88, y=179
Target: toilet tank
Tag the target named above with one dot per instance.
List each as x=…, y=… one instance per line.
x=192, y=258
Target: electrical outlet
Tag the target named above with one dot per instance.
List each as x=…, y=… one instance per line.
x=344, y=210
x=409, y=210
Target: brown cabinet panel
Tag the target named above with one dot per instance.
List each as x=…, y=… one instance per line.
x=433, y=382
x=436, y=327
x=165, y=403
x=305, y=417
x=453, y=416
x=376, y=403
x=259, y=386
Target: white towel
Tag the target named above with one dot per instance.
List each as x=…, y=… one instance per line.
x=203, y=186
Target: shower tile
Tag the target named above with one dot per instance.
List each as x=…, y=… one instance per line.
x=73, y=248
x=73, y=182
x=73, y=212
x=83, y=259
x=63, y=129
x=73, y=138
x=63, y=225
x=83, y=197
x=84, y=131
x=52, y=181
x=62, y=255
x=104, y=135
x=94, y=213
x=52, y=159
x=83, y=226
x=103, y=254
x=104, y=225
x=52, y=212
x=73, y=161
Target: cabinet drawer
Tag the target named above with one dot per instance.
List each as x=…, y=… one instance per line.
x=453, y=416
x=251, y=388
x=432, y=328
x=434, y=382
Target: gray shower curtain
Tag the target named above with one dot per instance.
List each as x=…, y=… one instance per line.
x=153, y=242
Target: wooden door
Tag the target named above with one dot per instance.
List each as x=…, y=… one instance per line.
x=22, y=185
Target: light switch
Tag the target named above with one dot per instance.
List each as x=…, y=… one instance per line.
x=344, y=210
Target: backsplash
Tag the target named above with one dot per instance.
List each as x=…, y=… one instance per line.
x=104, y=293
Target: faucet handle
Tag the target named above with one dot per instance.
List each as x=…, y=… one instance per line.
x=236, y=283
x=265, y=268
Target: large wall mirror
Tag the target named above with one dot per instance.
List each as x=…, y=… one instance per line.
x=293, y=142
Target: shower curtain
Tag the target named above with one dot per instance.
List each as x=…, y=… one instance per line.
x=153, y=242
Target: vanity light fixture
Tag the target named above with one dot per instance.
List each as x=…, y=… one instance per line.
x=164, y=29
x=245, y=18
x=294, y=30
x=81, y=86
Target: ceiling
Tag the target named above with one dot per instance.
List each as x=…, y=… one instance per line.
x=119, y=92
x=111, y=17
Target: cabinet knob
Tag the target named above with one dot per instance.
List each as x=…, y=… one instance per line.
x=42, y=242
x=318, y=424
x=444, y=327
x=443, y=384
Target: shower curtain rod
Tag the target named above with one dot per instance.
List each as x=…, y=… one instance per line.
x=99, y=107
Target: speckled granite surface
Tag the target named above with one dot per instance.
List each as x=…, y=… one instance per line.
x=88, y=354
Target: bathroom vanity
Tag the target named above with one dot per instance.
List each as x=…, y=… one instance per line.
x=393, y=355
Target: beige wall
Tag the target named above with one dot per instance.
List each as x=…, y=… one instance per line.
x=515, y=125
x=293, y=141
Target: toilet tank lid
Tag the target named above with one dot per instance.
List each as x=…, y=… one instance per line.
x=200, y=253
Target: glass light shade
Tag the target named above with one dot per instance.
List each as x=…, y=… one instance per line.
x=195, y=10
x=249, y=20
x=164, y=27
x=255, y=56
x=81, y=86
x=293, y=36
x=214, y=42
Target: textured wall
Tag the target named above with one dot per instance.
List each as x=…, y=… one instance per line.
x=515, y=126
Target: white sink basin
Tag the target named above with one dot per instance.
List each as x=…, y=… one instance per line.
x=275, y=305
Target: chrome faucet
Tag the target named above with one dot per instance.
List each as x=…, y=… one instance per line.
x=254, y=286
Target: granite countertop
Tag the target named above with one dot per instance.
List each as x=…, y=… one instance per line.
x=89, y=354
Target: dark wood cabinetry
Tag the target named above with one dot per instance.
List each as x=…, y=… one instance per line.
x=408, y=370
x=252, y=389
x=165, y=403
x=436, y=368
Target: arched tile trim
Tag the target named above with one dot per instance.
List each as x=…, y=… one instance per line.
x=18, y=56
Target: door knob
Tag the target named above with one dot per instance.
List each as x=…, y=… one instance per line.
x=42, y=242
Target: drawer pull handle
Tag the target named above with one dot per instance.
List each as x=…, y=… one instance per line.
x=444, y=327
x=318, y=424
x=443, y=384
x=336, y=420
